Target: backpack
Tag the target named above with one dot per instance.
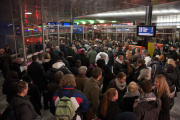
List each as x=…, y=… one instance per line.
x=65, y=109
x=9, y=113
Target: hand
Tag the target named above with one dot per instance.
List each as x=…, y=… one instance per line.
x=135, y=102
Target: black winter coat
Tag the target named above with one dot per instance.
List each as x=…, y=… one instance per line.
x=117, y=68
x=70, y=52
x=37, y=73
x=111, y=58
x=84, y=60
x=173, y=55
x=156, y=52
x=25, y=111
x=128, y=103
x=64, y=61
x=16, y=68
x=137, y=72
x=156, y=69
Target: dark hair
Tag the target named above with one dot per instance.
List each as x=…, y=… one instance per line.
x=82, y=51
x=61, y=53
x=120, y=55
x=147, y=53
x=20, y=86
x=121, y=75
x=141, y=60
x=96, y=72
x=146, y=86
x=12, y=75
x=34, y=58
x=102, y=50
x=155, y=59
x=26, y=78
x=170, y=68
x=172, y=46
x=78, y=63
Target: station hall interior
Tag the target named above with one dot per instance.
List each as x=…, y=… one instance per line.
x=26, y=23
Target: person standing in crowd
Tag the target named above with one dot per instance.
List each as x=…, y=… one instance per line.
x=118, y=64
x=70, y=51
x=120, y=84
x=129, y=56
x=91, y=91
x=102, y=53
x=111, y=58
x=162, y=92
x=5, y=63
x=109, y=107
x=57, y=50
x=147, y=59
x=172, y=53
x=84, y=59
x=61, y=57
x=148, y=106
x=129, y=71
x=54, y=55
x=133, y=49
x=130, y=96
x=137, y=52
x=79, y=101
x=92, y=55
x=8, y=50
x=46, y=62
x=156, y=68
x=81, y=78
x=24, y=109
x=156, y=50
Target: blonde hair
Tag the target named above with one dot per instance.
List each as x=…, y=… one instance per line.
x=132, y=87
x=47, y=56
x=128, y=55
x=172, y=62
x=75, y=50
x=106, y=98
x=163, y=86
x=68, y=80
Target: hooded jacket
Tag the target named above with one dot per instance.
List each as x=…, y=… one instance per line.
x=99, y=56
x=148, y=107
x=156, y=68
x=118, y=66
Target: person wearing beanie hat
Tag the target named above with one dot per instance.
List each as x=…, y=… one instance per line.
x=34, y=93
x=127, y=116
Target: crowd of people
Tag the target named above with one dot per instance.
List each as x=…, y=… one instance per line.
x=103, y=79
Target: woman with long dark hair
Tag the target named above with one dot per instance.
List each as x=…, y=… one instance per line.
x=109, y=107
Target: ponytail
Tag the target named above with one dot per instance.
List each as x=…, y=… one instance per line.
x=104, y=104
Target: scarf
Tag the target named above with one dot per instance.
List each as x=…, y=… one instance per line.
x=119, y=85
x=119, y=61
x=147, y=97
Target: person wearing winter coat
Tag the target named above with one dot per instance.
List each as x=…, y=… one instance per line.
x=61, y=57
x=156, y=50
x=46, y=62
x=84, y=59
x=156, y=68
x=147, y=59
x=109, y=108
x=37, y=73
x=172, y=53
x=162, y=92
x=81, y=78
x=92, y=55
x=148, y=106
x=91, y=91
x=70, y=51
x=120, y=84
x=111, y=58
x=130, y=96
x=16, y=67
x=118, y=65
x=102, y=53
x=145, y=74
x=78, y=99
x=137, y=52
x=24, y=109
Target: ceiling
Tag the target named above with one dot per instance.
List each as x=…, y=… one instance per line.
x=61, y=10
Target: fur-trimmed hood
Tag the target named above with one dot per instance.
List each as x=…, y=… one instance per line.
x=58, y=65
x=145, y=74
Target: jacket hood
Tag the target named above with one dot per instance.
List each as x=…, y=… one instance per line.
x=117, y=60
x=131, y=94
x=58, y=65
x=45, y=60
x=145, y=74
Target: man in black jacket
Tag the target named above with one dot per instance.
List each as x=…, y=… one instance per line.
x=156, y=51
x=172, y=53
x=148, y=107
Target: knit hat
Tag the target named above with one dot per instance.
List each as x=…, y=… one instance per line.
x=127, y=116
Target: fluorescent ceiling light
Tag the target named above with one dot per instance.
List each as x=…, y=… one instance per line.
x=28, y=13
x=165, y=11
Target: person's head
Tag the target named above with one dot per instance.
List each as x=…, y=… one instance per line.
x=22, y=88
x=128, y=55
x=110, y=49
x=154, y=45
x=7, y=47
x=110, y=95
x=161, y=85
x=12, y=75
x=134, y=58
x=27, y=78
x=145, y=74
x=78, y=63
x=140, y=62
x=18, y=60
x=137, y=50
x=57, y=48
x=120, y=57
x=83, y=52
x=47, y=56
x=97, y=73
x=82, y=70
x=102, y=50
x=146, y=86
x=132, y=87
x=92, y=47
x=170, y=68
x=155, y=59
x=61, y=54
x=128, y=66
x=34, y=58
x=58, y=76
x=172, y=47
x=146, y=54
x=68, y=80
x=2, y=51
x=121, y=77
x=172, y=62
x=103, y=56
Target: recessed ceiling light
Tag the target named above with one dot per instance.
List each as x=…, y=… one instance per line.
x=28, y=13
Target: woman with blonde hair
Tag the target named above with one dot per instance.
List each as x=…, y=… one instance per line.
x=47, y=63
x=129, y=71
x=130, y=96
x=129, y=55
x=162, y=92
x=109, y=108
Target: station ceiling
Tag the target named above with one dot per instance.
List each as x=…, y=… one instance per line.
x=61, y=10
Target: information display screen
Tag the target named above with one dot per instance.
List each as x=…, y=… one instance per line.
x=66, y=24
x=148, y=31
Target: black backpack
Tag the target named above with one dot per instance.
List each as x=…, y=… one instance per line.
x=9, y=113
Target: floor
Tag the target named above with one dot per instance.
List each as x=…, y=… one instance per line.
x=46, y=115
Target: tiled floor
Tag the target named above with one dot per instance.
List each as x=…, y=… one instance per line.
x=46, y=115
